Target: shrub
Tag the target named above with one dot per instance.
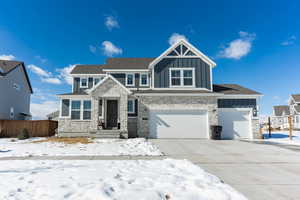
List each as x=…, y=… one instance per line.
x=24, y=134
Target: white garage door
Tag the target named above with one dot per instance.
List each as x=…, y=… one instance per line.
x=235, y=123
x=178, y=124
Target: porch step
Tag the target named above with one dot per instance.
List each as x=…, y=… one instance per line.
x=108, y=134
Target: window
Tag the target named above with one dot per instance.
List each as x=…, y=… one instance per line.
x=87, y=110
x=83, y=83
x=131, y=106
x=129, y=79
x=75, y=109
x=182, y=77
x=65, y=108
x=144, y=79
x=96, y=80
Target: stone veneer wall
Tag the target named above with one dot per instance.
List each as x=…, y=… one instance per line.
x=173, y=102
x=109, y=89
x=255, y=129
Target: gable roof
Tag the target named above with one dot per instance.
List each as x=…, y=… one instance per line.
x=296, y=97
x=190, y=46
x=281, y=110
x=128, y=63
x=89, y=91
x=88, y=69
x=233, y=89
x=6, y=66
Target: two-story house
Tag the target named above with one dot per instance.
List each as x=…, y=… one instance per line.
x=294, y=104
x=15, y=90
x=170, y=96
x=279, y=119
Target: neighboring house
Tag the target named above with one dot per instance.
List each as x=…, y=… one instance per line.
x=280, y=115
x=170, y=96
x=294, y=104
x=53, y=116
x=15, y=90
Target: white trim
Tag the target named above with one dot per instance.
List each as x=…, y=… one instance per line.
x=133, y=79
x=177, y=94
x=184, y=88
x=125, y=70
x=107, y=77
x=133, y=105
x=60, y=108
x=79, y=75
x=147, y=75
x=87, y=82
x=182, y=78
x=190, y=47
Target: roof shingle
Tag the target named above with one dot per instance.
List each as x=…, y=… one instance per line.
x=281, y=110
x=296, y=97
x=233, y=89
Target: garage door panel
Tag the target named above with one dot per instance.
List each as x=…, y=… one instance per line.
x=178, y=124
x=236, y=124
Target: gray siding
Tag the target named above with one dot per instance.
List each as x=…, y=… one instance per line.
x=10, y=97
x=202, y=71
x=236, y=103
x=76, y=84
x=121, y=77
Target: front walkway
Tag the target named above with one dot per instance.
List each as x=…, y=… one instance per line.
x=259, y=171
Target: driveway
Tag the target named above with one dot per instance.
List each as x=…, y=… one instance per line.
x=259, y=171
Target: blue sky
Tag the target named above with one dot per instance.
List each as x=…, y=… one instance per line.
x=254, y=43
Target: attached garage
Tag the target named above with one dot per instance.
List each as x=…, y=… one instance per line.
x=236, y=123
x=178, y=124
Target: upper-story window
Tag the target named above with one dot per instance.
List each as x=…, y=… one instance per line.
x=96, y=80
x=144, y=79
x=83, y=82
x=129, y=79
x=182, y=77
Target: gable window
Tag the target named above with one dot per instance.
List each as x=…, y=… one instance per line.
x=182, y=77
x=65, y=108
x=129, y=79
x=144, y=79
x=75, y=109
x=83, y=82
x=87, y=109
x=131, y=106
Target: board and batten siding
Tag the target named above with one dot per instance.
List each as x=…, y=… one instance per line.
x=121, y=77
x=202, y=71
x=76, y=84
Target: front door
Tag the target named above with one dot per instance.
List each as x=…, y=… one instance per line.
x=112, y=114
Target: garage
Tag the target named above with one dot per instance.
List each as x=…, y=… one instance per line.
x=178, y=124
x=236, y=123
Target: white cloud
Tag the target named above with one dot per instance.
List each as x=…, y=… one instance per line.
x=111, y=22
x=239, y=47
x=42, y=60
x=109, y=49
x=41, y=110
x=290, y=41
x=51, y=80
x=7, y=57
x=64, y=73
x=175, y=37
x=39, y=71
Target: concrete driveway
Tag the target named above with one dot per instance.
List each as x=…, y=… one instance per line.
x=259, y=171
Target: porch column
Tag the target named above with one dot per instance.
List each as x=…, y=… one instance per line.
x=123, y=113
x=94, y=117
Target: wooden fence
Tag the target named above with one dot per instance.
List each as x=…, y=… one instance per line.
x=36, y=128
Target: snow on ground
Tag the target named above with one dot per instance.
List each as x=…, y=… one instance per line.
x=105, y=147
x=282, y=137
x=103, y=180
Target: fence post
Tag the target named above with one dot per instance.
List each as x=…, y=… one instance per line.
x=270, y=128
x=290, y=127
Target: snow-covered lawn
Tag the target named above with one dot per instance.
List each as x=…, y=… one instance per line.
x=102, y=180
x=105, y=147
x=282, y=137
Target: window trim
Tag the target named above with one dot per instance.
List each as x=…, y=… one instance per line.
x=182, y=78
x=133, y=106
x=87, y=82
x=80, y=109
x=147, y=75
x=133, y=79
